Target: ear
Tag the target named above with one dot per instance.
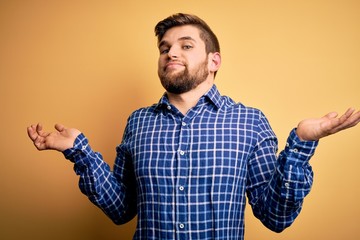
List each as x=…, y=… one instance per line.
x=214, y=61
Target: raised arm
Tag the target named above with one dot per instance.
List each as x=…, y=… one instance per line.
x=113, y=192
x=60, y=140
x=316, y=128
x=276, y=196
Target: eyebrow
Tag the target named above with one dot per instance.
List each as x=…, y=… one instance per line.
x=164, y=42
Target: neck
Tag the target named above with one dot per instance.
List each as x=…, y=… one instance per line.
x=185, y=101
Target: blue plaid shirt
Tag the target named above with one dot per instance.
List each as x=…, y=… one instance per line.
x=187, y=177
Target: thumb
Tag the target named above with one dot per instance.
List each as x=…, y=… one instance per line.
x=331, y=115
x=60, y=127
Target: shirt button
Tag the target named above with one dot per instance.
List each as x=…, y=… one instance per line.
x=183, y=123
x=287, y=185
x=168, y=107
x=181, y=225
x=181, y=188
x=295, y=150
x=182, y=153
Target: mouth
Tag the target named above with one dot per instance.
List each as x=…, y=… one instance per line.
x=174, y=65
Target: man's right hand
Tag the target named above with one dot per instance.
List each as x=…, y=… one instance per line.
x=60, y=140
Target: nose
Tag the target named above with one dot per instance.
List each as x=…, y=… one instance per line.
x=173, y=53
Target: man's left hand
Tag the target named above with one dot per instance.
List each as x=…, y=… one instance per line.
x=316, y=128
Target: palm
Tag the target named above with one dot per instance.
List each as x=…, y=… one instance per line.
x=60, y=140
x=314, y=129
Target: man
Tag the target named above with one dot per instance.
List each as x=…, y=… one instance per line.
x=186, y=163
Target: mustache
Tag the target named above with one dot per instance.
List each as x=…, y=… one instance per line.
x=175, y=62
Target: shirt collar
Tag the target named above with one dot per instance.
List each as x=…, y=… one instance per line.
x=212, y=96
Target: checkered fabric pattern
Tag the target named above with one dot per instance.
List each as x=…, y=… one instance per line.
x=187, y=177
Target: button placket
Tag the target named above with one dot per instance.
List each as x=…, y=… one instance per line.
x=182, y=177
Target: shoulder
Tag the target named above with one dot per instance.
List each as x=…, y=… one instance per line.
x=243, y=110
x=144, y=113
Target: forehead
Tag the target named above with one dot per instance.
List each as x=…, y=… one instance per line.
x=179, y=33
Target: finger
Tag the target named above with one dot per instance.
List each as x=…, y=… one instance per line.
x=40, y=132
x=39, y=143
x=340, y=123
x=32, y=132
x=59, y=127
x=350, y=111
x=348, y=121
x=358, y=120
x=347, y=114
x=39, y=128
x=331, y=115
x=357, y=114
x=352, y=120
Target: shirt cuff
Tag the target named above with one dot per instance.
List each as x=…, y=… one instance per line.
x=81, y=145
x=298, y=151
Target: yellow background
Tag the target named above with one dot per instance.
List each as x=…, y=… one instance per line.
x=89, y=64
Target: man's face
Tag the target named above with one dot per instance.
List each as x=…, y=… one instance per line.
x=183, y=62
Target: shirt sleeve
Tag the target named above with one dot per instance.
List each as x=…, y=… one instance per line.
x=278, y=185
x=113, y=193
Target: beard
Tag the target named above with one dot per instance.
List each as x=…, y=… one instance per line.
x=184, y=81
